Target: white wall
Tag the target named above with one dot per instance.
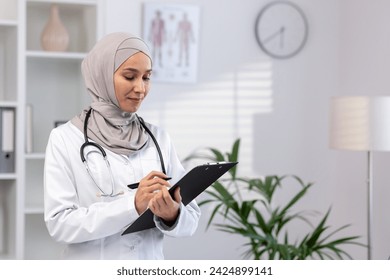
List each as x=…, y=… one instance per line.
x=365, y=68
x=284, y=125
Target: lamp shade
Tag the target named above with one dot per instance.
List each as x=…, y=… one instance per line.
x=360, y=123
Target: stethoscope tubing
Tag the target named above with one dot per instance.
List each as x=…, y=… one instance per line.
x=103, y=152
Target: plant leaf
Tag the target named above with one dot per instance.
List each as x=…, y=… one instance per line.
x=262, y=220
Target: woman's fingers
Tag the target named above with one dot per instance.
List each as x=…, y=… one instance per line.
x=163, y=205
x=152, y=183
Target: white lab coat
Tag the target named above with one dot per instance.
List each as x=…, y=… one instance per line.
x=91, y=226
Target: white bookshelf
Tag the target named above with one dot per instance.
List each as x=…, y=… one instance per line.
x=51, y=83
x=10, y=212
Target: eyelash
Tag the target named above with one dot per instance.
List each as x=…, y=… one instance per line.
x=132, y=78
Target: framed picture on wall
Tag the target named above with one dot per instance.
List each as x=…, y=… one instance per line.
x=172, y=32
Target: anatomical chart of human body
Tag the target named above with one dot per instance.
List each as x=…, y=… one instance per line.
x=172, y=32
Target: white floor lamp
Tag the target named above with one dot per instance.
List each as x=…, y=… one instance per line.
x=361, y=123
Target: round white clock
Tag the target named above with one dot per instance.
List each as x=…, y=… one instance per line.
x=281, y=29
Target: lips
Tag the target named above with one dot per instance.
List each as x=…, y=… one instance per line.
x=135, y=99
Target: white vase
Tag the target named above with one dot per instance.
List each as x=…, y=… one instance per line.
x=55, y=36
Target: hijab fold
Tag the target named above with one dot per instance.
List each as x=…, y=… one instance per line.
x=109, y=126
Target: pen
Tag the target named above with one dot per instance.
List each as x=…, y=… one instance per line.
x=135, y=185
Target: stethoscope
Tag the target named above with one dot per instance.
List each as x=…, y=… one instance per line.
x=103, y=153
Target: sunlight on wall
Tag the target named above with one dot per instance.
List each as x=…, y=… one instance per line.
x=214, y=114
x=253, y=96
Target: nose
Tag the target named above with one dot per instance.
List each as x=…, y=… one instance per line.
x=139, y=86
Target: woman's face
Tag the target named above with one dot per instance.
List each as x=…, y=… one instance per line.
x=131, y=82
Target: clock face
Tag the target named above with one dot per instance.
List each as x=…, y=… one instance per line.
x=281, y=29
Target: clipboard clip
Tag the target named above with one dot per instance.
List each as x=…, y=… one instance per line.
x=216, y=163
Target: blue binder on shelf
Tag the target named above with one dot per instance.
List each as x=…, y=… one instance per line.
x=7, y=140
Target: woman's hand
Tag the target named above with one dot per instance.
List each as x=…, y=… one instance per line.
x=164, y=206
x=148, y=188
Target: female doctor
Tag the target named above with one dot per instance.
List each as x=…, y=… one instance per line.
x=91, y=160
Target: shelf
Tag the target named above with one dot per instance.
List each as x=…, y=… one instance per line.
x=8, y=23
x=68, y=2
x=7, y=176
x=35, y=156
x=8, y=104
x=55, y=55
x=34, y=210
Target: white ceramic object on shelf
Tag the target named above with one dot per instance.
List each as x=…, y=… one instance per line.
x=55, y=36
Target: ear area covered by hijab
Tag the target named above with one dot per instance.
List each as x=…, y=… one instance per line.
x=110, y=127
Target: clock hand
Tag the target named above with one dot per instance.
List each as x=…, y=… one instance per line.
x=282, y=37
x=273, y=35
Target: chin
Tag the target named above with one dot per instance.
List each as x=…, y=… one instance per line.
x=129, y=107
x=130, y=110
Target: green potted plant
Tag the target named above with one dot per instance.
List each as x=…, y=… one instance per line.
x=261, y=222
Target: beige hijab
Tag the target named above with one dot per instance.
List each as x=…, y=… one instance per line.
x=108, y=125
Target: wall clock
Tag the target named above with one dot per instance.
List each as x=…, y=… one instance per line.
x=281, y=29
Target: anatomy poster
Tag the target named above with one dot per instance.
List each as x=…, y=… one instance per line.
x=172, y=33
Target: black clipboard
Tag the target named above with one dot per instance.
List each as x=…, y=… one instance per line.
x=191, y=185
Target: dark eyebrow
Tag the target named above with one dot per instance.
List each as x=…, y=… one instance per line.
x=136, y=70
